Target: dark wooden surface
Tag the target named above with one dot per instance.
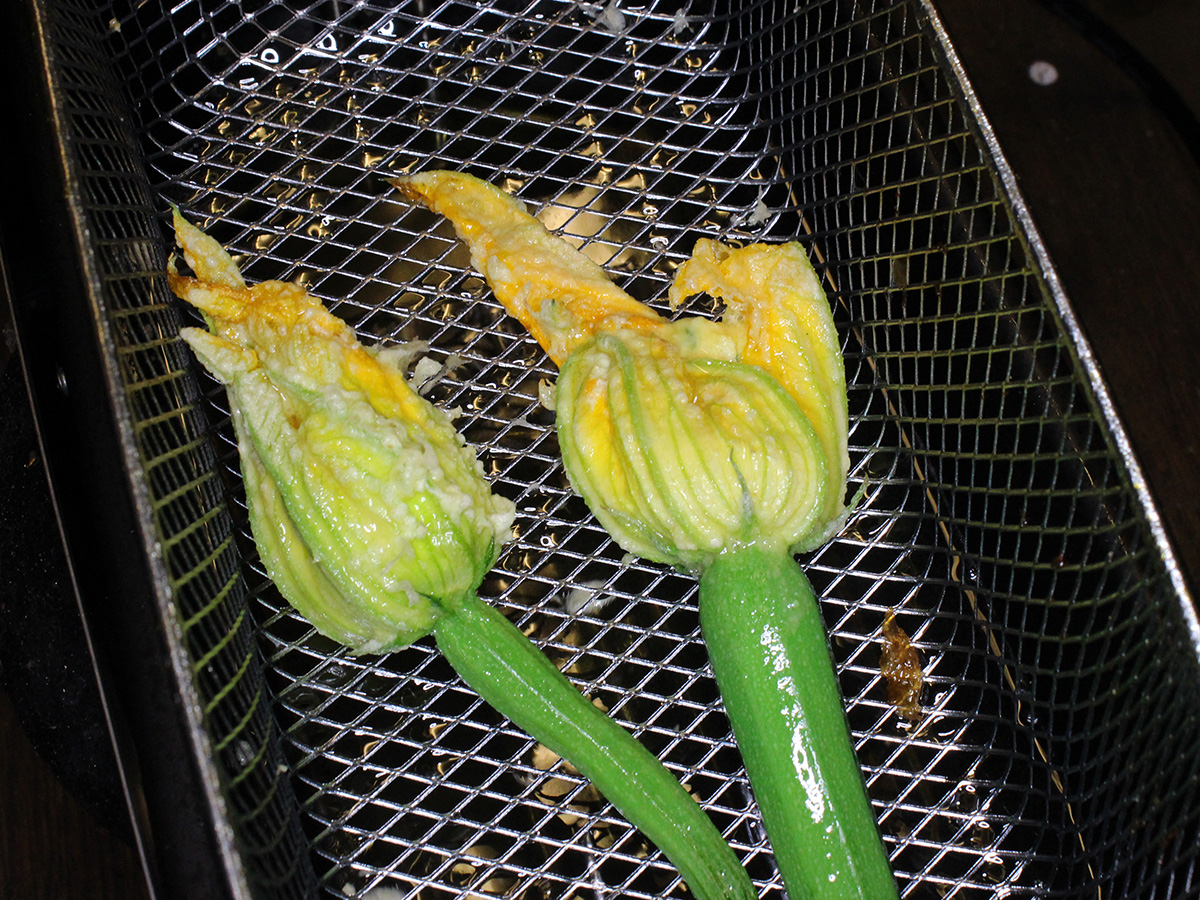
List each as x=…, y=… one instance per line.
x=1115, y=193
x=50, y=846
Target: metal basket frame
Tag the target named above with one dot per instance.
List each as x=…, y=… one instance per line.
x=1003, y=519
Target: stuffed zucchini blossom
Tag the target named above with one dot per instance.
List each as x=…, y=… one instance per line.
x=718, y=447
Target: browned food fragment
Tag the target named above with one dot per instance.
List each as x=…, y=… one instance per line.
x=900, y=665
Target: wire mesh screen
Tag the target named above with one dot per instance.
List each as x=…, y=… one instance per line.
x=179, y=491
x=1058, y=749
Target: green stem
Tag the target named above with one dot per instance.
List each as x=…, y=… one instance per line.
x=770, y=656
x=516, y=678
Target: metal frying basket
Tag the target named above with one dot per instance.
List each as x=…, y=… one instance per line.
x=1059, y=751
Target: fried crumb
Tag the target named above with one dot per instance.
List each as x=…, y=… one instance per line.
x=900, y=665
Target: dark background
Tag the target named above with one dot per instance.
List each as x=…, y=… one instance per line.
x=1108, y=159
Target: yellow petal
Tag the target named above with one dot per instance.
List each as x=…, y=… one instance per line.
x=556, y=292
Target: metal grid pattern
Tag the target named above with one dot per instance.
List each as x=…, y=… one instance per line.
x=1059, y=755
x=159, y=404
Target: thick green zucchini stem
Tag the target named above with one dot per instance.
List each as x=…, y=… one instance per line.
x=519, y=681
x=770, y=656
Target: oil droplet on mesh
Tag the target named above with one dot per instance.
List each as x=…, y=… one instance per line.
x=994, y=869
x=663, y=158
x=665, y=266
x=965, y=798
x=334, y=674
x=302, y=699
x=946, y=734
x=316, y=97
x=982, y=834
x=635, y=181
x=473, y=288
x=377, y=685
x=879, y=466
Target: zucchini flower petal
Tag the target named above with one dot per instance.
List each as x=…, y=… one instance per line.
x=370, y=512
x=560, y=295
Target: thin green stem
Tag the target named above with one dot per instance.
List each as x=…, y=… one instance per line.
x=517, y=679
x=770, y=656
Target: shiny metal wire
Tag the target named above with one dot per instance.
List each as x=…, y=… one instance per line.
x=1057, y=753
